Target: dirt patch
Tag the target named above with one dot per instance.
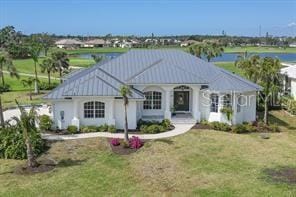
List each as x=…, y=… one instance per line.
x=45, y=166
x=282, y=174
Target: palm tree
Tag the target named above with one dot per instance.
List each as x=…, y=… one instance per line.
x=61, y=62
x=269, y=79
x=212, y=50
x=249, y=64
x=27, y=123
x=196, y=50
x=97, y=58
x=34, y=51
x=29, y=83
x=5, y=61
x=125, y=92
x=49, y=67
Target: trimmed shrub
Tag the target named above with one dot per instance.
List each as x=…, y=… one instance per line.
x=12, y=144
x=115, y=142
x=220, y=126
x=103, y=128
x=45, y=122
x=72, y=129
x=166, y=123
x=135, y=142
x=152, y=129
x=112, y=129
x=89, y=129
x=240, y=128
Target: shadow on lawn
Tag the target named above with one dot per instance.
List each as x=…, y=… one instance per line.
x=280, y=122
x=70, y=162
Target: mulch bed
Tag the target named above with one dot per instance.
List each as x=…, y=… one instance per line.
x=121, y=150
x=282, y=174
x=44, y=166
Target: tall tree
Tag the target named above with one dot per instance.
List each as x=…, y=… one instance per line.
x=196, y=50
x=249, y=65
x=212, y=50
x=48, y=66
x=29, y=83
x=46, y=42
x=269, y=79
x=27, y=123
x=34, y=50
x=6, y=61
x=125, y=92
x=61, y=62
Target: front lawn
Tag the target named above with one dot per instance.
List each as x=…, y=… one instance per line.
x=200, y=162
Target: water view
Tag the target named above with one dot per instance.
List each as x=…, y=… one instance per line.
x=226, y=57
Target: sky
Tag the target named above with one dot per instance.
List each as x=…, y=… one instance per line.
x=143, y=17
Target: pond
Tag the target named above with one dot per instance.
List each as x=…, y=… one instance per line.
x=226, y=57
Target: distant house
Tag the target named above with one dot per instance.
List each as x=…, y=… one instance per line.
x=68, y=43
x=289, y=72
x=165, y=84
x=188, y=43
x=96, y=43
x=292, y=44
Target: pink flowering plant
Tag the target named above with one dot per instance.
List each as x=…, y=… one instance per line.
x=135, y=142
x=115, y=142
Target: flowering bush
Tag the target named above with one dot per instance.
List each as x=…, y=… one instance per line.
x=115, y=142
x=135, y=142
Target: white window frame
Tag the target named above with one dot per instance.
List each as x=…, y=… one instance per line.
x=93, y=109
x=153, y=100
x=214, y=106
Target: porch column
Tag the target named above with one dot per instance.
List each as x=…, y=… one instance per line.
x=75, y=121
x=195, y=103
x=111, y=120
x=234, y=109
x=167, y=112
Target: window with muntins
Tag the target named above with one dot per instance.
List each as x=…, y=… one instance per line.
x=94, y=109
x=227, y=100
x=214, y=102
x=153, y=100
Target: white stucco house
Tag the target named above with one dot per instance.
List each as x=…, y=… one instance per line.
x=169, y=84
x=289, y=72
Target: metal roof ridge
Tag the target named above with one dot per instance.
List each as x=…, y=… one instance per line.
x=143, y=70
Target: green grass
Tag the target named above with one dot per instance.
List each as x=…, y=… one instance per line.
x=260, y=49
x=198, y=163
x=230, y=67
x=8, y=98
x=27, y=65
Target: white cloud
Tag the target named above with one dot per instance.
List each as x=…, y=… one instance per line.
x=293, y=24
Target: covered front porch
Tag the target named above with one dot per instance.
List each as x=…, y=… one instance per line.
x=176, y=103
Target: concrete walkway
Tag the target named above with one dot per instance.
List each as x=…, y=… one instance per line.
x=179, y=129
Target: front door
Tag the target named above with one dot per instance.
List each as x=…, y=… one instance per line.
x=181, y=100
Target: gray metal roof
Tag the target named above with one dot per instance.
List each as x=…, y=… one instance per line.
x=149, y=67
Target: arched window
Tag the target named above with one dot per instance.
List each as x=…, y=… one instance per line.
x=214, y=102
x=94, y=109
x=153, y=100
